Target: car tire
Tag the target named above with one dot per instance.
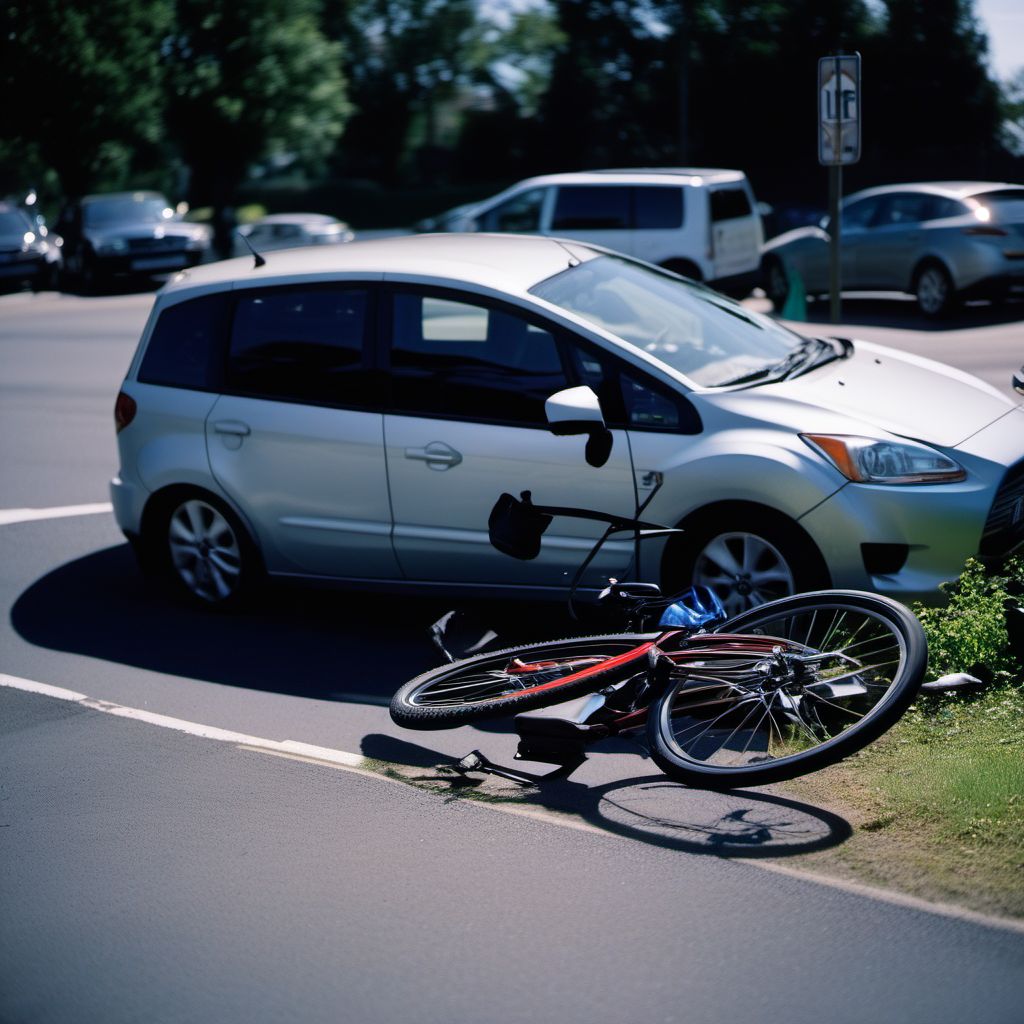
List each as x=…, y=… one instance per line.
x=933, y=289
x=775, y=283
x=747, y=557
x=197, y=549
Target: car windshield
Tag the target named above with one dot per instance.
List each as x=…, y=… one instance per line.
x=126, y=211
x=693, y=329
x=12, y=222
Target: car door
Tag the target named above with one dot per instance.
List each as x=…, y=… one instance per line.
x=854, y=236
x=296, y=439
x=599, y=214
x=886, y=246
x=469, y=378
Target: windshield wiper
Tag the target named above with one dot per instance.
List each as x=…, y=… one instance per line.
x=808, y=354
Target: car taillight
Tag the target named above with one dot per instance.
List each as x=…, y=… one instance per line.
x=987, y=229
x=124, y=411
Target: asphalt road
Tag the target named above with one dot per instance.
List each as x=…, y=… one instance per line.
x=147, y=873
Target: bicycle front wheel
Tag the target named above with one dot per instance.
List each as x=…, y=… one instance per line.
x=786, y=688
x=518, y=678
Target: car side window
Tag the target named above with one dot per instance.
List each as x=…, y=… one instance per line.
x=458, y=358
x=301, y=345
x=657, y=206
x=186, y=347
x=629, y=398
x=592, y=208
x=941, y=207
x=860, y=213
x=903, y=208
x=520, y=213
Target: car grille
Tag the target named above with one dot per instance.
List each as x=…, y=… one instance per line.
x=1004, y=528
x=166, y=244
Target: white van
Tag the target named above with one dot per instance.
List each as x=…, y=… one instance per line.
x=700, y=222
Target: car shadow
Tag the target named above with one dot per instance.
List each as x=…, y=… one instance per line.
x=652, y=809
x=901, y=312
x=323, y=644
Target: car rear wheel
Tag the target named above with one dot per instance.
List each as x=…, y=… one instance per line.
x=934, y=290
x=200, y=550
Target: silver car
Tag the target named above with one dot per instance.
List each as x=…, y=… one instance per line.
x=352, y=413
x=291, y=230
x=939, y=241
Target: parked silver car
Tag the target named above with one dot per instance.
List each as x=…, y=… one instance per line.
x=291, y=230
x=352, y=413
x=938, y=241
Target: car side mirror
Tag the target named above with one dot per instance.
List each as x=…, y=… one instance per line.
x=1018, y=381
x=578, y=411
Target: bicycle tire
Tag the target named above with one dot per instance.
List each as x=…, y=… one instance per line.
x=489, y=689
x=840, y=699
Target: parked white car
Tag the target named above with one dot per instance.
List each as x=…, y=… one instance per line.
x=700, y=222
x=352, y=412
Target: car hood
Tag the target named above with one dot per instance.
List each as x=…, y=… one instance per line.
x=883, y=389
x=796, y=235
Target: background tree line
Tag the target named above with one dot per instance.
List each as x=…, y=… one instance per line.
x=332, y=100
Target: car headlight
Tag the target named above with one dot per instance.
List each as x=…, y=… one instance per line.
x=867, y=460
x=111, y=247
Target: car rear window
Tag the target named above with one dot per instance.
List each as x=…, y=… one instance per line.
x=729, y=204
x=184, y=350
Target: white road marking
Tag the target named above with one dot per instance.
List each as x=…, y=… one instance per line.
x=26, y=515
x=308, y=752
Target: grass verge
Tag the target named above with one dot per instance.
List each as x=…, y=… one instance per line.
x=937, y=804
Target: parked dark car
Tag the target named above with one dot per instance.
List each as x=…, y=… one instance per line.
x=127, y=234
x=26, y=256
x=938, y=241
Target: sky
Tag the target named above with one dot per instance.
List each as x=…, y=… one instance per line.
x=1003, y=21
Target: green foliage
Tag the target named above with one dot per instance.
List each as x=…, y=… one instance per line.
x=248, y=79
x=970, y=629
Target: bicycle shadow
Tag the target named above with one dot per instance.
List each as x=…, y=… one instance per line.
x=652, y=809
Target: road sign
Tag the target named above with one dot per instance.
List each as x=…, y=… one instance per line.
x=839, y=110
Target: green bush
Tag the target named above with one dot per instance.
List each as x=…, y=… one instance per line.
x=969, y=632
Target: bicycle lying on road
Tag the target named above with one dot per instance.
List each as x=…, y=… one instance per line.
x=777, y=691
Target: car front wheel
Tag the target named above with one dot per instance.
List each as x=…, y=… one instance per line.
x=746, y=562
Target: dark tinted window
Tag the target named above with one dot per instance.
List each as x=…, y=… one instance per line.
x=520, y=213
x=940, y=207
x=658, y=206
x=729, y=203
x=592, y=207
x=301, y=345
x=458, y=358
x=903, y=208
x=185, y=348
x=860, y=213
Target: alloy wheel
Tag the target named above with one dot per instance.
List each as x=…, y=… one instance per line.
x=205, y=551
x=744, y=570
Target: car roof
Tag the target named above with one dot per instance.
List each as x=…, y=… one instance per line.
x=639, y=175
x=509, y=263
x=954, y=189
x=137, y=195
x=297, y=218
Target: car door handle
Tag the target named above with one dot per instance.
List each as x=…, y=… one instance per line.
x=437, y=455
x=233, y=427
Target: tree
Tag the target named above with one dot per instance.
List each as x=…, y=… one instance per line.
x=82, y=84
x=250, y=79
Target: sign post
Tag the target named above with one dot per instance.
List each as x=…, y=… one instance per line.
x=838, y=144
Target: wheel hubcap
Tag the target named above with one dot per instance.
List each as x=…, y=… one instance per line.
x=744, y=570
x=931, y=291
x=204, y=551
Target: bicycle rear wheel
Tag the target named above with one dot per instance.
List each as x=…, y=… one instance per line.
x=786, y=688
x=518, y=678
